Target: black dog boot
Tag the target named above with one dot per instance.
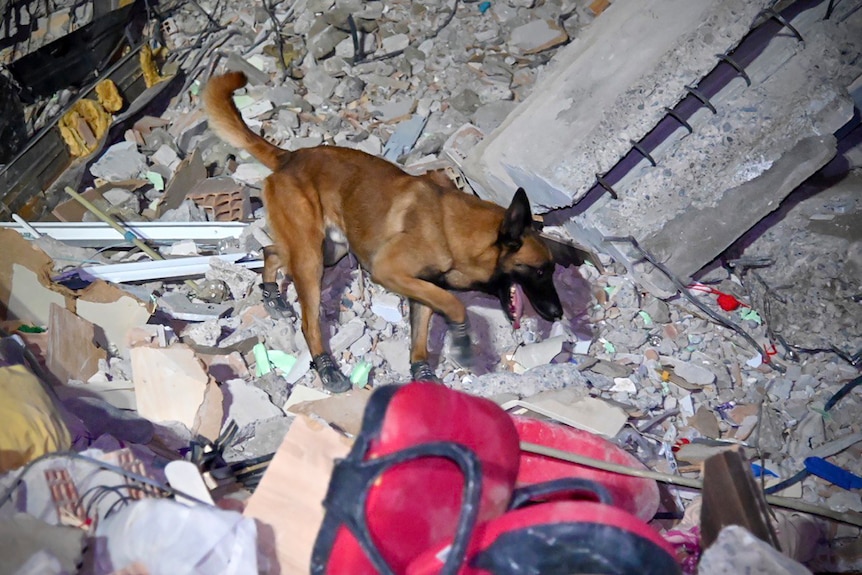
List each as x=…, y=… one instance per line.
x=275, y=304
x=462, y=347
x=421, y=371
x=332, y=378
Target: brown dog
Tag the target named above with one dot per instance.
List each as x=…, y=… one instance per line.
x=417, y=236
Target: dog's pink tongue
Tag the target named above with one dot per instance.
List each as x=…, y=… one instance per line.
x=516, y=305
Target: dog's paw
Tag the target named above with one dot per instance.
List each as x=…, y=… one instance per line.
x=332, y=378
x=462, y=347
x=274, y=303
x=421, y=371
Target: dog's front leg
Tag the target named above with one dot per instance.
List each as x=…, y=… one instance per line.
x=434, y=297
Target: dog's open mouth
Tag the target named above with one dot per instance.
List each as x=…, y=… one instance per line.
x=516, y=304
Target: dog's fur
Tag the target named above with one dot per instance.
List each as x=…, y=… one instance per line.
x=417, y=236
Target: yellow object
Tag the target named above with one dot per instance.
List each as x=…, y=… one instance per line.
x=109, y=96
x=148, y=65
x=665, y=376
x=31, y=425
x=83, y=126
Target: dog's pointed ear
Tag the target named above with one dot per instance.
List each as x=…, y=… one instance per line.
x=568, y=254
x=517, y=220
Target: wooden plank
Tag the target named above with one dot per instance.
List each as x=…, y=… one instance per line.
x=732, y=497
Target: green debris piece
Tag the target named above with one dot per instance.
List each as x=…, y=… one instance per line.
x=750, y=314
x=359, y=374
x=281, y=359
x=156, y=180
x=823, y=413
x=646, y=317
x=243, y=101
x=665, y=388
x=31, y=329
x=195, y=88
x=261, y=359
x=611, y=290
x=609, y=347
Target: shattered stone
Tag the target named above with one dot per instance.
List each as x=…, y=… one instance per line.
x=238, y=278
x=537, y=36
x=120, y=162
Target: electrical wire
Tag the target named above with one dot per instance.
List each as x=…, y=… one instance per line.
x=681, y=287
x=848, y=517
x=8, y=494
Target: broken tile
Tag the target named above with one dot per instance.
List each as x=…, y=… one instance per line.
x=72, y=351
x=169, y=383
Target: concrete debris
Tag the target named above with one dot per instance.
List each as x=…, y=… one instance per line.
x=163, y=365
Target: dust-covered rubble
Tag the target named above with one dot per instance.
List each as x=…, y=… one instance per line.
x=681, y=378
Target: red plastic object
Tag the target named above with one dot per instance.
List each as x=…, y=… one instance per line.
x=638, y=496
x=560, y=537
x=417, y=503
x=727, y=302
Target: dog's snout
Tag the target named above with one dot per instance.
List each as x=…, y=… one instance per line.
x=552, y=312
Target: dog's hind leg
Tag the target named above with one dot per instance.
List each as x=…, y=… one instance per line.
x=420, y=320
x=297, y=225
x=306, y=266
x=272, y=298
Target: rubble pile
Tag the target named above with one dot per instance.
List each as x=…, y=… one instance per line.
x=155, y=363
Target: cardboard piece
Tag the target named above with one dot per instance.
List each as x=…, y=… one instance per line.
x=114, y=311
x=170, y=383
x=587, y=413
x=287, y=503
x=72, y=351
x=344, y=410
x=29, y=300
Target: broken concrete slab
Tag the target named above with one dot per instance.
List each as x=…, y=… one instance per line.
x=586, y=110
x=178, y=305
x=685, y=248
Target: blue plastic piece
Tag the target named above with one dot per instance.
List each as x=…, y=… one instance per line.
x=484, y=6
x=758, y=471
x=832, y=473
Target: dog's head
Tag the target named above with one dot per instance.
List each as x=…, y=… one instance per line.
x=525, y=266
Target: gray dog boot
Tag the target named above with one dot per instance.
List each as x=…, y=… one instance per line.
x=421, y=371
x=462, y=347
x=275, y=304
x=332, y=378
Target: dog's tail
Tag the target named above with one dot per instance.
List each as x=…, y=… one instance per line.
x=226, y=121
